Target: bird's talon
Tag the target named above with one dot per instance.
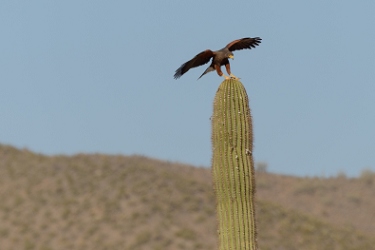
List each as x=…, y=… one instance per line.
x=235, y=78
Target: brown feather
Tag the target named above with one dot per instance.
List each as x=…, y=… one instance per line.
x=200, y=59
x=244, y=43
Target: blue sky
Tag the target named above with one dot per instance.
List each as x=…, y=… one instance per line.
x=97, y=76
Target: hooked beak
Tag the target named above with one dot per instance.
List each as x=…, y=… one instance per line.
x=231, y=57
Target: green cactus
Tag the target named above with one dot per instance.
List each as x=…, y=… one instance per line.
x=233, y=167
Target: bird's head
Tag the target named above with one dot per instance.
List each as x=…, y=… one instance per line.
x=230, y=55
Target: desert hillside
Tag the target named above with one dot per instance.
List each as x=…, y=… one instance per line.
x=100, y=202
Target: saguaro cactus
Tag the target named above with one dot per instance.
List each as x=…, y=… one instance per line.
x=233, y=167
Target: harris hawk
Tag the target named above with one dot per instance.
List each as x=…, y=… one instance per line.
x=219, y=58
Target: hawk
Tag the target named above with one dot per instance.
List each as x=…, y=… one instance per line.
x=219, y=58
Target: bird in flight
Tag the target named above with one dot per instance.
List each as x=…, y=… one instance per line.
x=219, y=58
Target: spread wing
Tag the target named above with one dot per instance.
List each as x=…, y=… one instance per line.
x=244, y=43
x=200, y=59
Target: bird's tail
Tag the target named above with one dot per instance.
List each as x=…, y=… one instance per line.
x=209, y=69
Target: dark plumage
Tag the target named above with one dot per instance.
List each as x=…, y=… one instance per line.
x=219, y=57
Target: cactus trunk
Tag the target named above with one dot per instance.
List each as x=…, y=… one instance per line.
x=233, y=167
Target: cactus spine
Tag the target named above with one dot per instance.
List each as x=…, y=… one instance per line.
x=233, y=167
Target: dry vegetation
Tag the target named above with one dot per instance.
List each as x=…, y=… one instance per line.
x=100, y=202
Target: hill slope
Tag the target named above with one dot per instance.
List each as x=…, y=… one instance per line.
x=118, y=202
